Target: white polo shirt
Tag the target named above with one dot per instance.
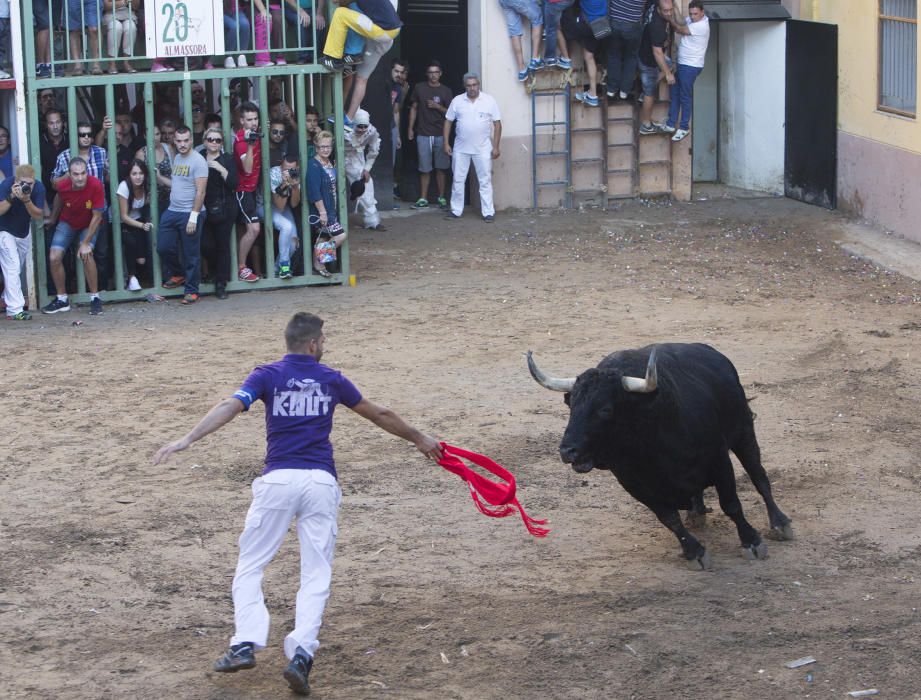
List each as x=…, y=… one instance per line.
x=693, y=47
x=473, y=121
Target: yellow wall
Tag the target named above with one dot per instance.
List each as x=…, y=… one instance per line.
x=858, y=63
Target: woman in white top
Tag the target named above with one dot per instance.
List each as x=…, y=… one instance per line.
x=134, y=207
x=163, y=162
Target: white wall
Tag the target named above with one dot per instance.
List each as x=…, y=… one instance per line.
x=752, y=78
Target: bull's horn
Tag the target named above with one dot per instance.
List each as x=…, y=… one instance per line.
x=551, y=383
x=647, y=385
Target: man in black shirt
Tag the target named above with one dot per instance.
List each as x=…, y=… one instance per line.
x=53, y=140
x=655, y=63
x=127, y=142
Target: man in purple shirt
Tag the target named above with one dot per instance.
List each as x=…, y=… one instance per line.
x=297, y=482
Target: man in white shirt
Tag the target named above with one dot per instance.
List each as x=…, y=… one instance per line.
x=479, y=129
x=695, y=35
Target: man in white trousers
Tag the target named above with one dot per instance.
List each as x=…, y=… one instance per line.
x=479, y=129
x=362, y=146
x=298, y=482
x=22, y=200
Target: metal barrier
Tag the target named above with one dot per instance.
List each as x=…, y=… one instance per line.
x=95, y=95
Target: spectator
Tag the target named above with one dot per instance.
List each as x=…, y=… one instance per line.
x=52, y=143
x=692, y=49
x=134, y=207
x=94, y=158
x=280, y=111
x=162, y=166
x=297, y=13
x=655, y=63
x=479, y=129
x=198, y=125
x=312, y=125
x=167, y=132
x=531, y=10
x=399, y=72
x=127, y=141
x=121, y=22
x=247, y=149
x=556, y=53
x=83, y=16
x=278, y=142
x=78, y=212
x=286, y=195
x=298, y=483
x=430, y=101
x=42, y=25
x=361, y=149
x=46, y=100
x=199, y=96
x=6, y=46
x=623, y=44
x=212, y=121
x=220, y=204
x=22, y=200
x=179, y=237
x=576, y=27
x=6, y=154
x=262, y=21
x=236, y=34
x=322, y=192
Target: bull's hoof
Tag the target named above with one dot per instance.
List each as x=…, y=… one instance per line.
x=782, y=533
x=755, y=551
x=695, y=520
x=702, y=562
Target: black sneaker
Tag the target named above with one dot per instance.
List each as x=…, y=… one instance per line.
x=451, y=216
x=236, y=658
x=220, y=291
x=56, y=306
x=95, y=306
x=353, y=59
x=489, y=218
x=296, y=673
x=331, y=63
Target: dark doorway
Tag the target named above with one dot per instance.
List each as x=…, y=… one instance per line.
x=811, y=143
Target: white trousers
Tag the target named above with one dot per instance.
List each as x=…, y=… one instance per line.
x=367, y=203
x=482, y=163
x=13, y=255
x=311, y=497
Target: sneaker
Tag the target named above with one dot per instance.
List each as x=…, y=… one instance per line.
x=229, y=62
x=523, y=75
x=220, y=290
x=56, y=306
x=236, y=658
x=189, y=299
x=95, y=306
x=489, y=218
x=246, y=275
x=43, y=70
x=611, y=95
x=241, y=61
x=585, y=98
x=280, y=62
x=564, y=63
x=623, y=95
x=297, y=672
x=331, y=63
x=347, y=124
x=421, y=203
x=264, y=64
x=680, y=134
x=664, y=128
x=133, y=284
x=442, y=203
x=378, y=227
x=451, y=216
x=21, y=316
x=174, y=281
x=284, y=271
x=353, y=59
x=646, y=129
x=535, y=64
x=551, y=62
x=157, y=67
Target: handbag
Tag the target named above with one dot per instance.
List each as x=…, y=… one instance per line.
x=324, y=250
x=601, y=27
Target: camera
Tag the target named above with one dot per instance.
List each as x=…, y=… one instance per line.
x=294, y=173
x=252, y=136
x=25, y=188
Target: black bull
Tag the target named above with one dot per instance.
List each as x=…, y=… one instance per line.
x=666, y=436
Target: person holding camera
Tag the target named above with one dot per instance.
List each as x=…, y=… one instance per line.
x=219, y=200
x=247, y=150
x=22, y=199
x=286, y=195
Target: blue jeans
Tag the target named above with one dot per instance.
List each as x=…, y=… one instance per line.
x=552, y=13
x=179, y=251
x=231, y=25
x=306, y=33
x=681, y=94
x=623, y=54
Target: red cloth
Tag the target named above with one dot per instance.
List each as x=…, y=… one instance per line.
x=500, y=497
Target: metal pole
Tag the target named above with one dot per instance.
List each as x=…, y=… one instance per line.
x=154, y=185
x=301, y=104
x=112, y=148
x=268, y=233
x=342, y=201
x=228, y=148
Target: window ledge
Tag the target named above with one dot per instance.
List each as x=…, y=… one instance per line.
x=898, y=115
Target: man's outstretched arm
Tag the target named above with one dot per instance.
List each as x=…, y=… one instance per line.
x=217, y=417
x=386, y=419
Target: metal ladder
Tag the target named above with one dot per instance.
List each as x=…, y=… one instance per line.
x=590, y=139
x=552, y=94
x=620, y=114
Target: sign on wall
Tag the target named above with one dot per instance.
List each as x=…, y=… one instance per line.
x=180, y=28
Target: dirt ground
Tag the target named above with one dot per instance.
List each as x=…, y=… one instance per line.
x=115, y=577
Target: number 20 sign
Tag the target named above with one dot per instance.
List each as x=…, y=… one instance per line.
x=180, y=28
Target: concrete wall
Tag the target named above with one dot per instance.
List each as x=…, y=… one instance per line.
x=705, y=131
x=752, y=84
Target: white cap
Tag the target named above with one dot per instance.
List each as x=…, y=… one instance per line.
x=362, y=117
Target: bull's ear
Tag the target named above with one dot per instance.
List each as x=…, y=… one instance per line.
x=566, y=398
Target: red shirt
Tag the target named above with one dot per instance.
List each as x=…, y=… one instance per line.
x=248, y=181
x=79, y=205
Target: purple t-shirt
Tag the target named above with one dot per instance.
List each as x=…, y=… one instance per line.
x=300, y=396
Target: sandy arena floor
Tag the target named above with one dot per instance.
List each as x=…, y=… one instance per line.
x=116, y=574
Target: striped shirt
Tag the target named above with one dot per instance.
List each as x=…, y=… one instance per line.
x=626, y=10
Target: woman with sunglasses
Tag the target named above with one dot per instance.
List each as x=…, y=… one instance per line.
x=134, y=207
x=220, y=201
x=321, y=193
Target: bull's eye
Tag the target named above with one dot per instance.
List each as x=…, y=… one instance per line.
x=605, y=412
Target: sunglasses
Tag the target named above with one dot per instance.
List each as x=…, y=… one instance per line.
x=361, y=127
x=85, y=134
x=214, y=139
x=325, y=145
x=278, y=132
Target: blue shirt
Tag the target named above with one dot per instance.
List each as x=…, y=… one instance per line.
x=381, y=12
x=300, y=396
x=17, y=220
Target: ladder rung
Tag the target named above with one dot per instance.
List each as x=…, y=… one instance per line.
x=620, y=119
x=586, y=129
x=550, y=123
x=551, y=183
x=620, y=171
x=655, y=162
x=584, y=161
x=621, y=145
x=551, y=153
x=588, y=191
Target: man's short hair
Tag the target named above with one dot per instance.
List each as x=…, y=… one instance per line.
x=54, y=110
x=77, y=160
x=399, y=61
x=212, y=117
x=167, y=122
x=696, y=4
x=471, y=76
x=312, y=110
x=248, y=107
x=436, y=63
x=280, y=122
x=183, y=129
x=301, y=329
x=25, y=170
x=83, y=124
